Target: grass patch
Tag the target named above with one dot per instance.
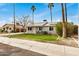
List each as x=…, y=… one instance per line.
x=35, y=37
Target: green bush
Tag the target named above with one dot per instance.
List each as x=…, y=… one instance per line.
x=1, y=30
x=69, y=29
x=75, y=30
x=59, y=28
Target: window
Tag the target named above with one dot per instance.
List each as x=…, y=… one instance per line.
x=51, y=28
x=3, y=28
x=9, y=28
x=29, y=28
x=40, y=28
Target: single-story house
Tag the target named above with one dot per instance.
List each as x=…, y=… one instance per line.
x=10, y=28
x=41, y=27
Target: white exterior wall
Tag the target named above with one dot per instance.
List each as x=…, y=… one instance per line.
x=50, y=32
x=45, y=29
x=35, y=29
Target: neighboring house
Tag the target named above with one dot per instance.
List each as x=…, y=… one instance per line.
x=41, y=27
x=10, y=28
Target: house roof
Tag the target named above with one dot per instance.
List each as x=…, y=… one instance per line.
x=12, y=25
x=40, y=24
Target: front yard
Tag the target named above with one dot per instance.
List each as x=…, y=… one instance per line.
x=45, y=38
x=35, y=37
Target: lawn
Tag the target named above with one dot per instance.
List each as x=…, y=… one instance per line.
x=35, y=37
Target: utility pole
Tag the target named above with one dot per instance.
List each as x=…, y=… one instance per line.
x=14, y=16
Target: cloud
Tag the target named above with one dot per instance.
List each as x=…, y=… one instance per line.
x=2, y=4
x=41, y=14
x=10, y=19
x=3, y=9
x=74, y=19
x=5, y=20
x=45, y=4
x=60, y=20
x=2, y=22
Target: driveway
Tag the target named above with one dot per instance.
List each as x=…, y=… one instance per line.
x=7, y=50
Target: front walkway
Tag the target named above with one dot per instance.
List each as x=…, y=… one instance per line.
x=43, y=48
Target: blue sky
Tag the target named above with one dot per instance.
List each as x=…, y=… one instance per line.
x=42, y=12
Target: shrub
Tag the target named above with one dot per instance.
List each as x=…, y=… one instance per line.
x=42, y=32
x=69, y=29
x=75, y=30
x=59, y=28
x=1, y=30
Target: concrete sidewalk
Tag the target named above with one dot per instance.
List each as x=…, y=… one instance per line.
x=5, y=34
x=43, y=48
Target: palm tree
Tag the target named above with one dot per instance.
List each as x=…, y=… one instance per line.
x=14, y=16
x=63, y=20
x=50, y=5
x=33, y=8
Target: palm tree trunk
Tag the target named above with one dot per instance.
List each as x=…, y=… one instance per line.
x=63, y=21
x=66, y=12
x=24, y=27
x=66, y=17
x=78, y=32
x=51, y=14
x=33, y=17
x=14, y=16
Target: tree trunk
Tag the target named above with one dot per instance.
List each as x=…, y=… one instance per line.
x=66, y=18
x=14, y=16
x=78, y=31
x=63, y=21
x=33, y=17
x=51, y=14
x=65, y=13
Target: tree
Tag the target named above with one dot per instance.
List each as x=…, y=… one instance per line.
x=63, y=20
x=33, y=8
x=70, y=27
x=50, y=5
x=23, y=21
